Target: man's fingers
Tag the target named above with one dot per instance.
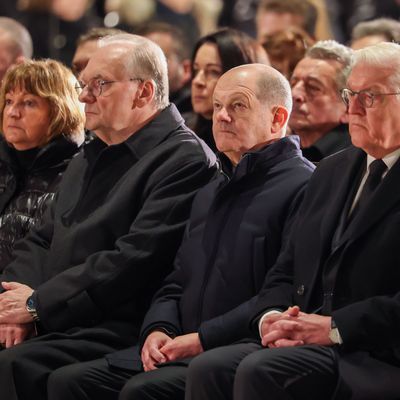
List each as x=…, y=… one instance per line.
x=288, y=343
x=11, y=285
x=293, y=311
x=149, y=365
x=157, y=355
x=9, y=341
x=284, y=329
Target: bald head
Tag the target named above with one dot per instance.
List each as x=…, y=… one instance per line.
x=251, y=103
x=269, y=85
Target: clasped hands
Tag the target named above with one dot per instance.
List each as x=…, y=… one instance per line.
x=159, y=348
x=15, y=321
x=295, y=328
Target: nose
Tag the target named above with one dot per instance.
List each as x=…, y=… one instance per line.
x=354, y=106
x=199, y=79
x=222, y=115
x=14, y=111
x=85, y=96
x=298, y=92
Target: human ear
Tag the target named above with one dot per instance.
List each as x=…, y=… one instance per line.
x=279, y=119
x=144, y=95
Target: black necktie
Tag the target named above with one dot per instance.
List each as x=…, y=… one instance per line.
x=376, y=170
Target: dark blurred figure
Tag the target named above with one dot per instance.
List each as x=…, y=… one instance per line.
x=278, y=15
x=15, y=44
x=133, y=14
x=56, y=25
x=176, y=48
x=345, y=15
x=42, y=126
x=213, y=55
x=239, y=14
x=375, y=31
x=86, y=45
x=286, y=48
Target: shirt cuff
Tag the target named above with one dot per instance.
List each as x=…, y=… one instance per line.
x=265, y=316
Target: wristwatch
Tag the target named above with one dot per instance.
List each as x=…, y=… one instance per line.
x=31, y=308
x=334, y=334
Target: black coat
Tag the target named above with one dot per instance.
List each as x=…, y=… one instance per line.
x=112, y=235
x=360, y=267
x=335, y=140
x=234, y=235
x=27, y=189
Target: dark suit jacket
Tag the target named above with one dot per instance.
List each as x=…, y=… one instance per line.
x=113, y=232
x=332, y=142
x=355, y=274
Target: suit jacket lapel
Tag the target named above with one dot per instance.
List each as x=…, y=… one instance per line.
x=386, y=197
x=342, y=181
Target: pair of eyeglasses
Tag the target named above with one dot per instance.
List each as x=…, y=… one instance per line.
x=95, y=86
x=364, y=97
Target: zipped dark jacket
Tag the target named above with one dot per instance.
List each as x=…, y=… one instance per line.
x=235, y=232
x=27, y=189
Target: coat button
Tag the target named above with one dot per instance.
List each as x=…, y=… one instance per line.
x=300, y=290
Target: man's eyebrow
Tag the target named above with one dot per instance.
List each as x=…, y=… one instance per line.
x=314, y=79
x=98, y=76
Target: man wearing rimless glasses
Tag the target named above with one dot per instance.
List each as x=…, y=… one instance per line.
x=329, y=313
x=80, y=285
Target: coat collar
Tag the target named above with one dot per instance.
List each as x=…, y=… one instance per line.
x=270, y=155
x=58, y=151
x=155, y=132
x=145, y=139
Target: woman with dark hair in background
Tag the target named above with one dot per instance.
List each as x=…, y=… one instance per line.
x=42, y=127
x=213, y=55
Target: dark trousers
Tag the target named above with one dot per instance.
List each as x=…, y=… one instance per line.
x=24, y=369
x=96, y=380
x=248, y=371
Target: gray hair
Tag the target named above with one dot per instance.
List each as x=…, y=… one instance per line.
x=274, y=88
x=18, y=36
x=382, y=55
x=146, y=61
x=387, y=27
x=332, y=50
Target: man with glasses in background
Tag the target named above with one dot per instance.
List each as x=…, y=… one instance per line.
x=80, y=284
x=329, y=312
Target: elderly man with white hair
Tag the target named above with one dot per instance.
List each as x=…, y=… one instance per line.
x=328, y=315
x=80, y=284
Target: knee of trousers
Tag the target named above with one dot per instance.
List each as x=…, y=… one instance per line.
x=205, y=366
x=254, y=367
x=138, y=387
x=61, y=381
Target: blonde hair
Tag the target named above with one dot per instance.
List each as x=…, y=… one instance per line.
x=54, y=82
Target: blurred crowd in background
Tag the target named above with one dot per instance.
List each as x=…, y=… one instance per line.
x=55, y=25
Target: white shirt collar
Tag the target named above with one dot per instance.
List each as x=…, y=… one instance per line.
x=389, y=160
